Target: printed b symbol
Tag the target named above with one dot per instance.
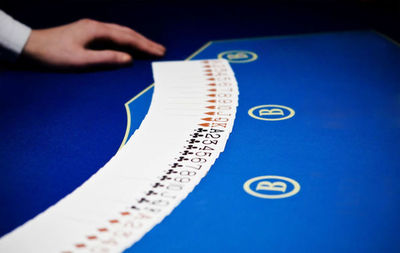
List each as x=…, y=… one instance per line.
x=271, y=187
x=271, y=112
x=274, y=111
x=238, y=56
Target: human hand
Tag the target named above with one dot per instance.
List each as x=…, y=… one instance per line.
x=66, y=46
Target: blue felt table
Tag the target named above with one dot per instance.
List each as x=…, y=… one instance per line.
x=341, y=146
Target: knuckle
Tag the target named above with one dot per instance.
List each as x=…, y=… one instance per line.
x=109, y=56
x=100, y=29
x=147, y=44
x=118, y=26
x=91, y=24
x=86, y=21
x=128, y=29
x=114, y=56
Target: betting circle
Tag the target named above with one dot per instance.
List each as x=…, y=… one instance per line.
x=238, y=56
x=272, y=111
x=267, y=179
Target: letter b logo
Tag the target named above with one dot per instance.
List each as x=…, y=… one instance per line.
x=271, y=187
x=271, y=112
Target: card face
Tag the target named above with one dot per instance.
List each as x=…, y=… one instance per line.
x=190, y=118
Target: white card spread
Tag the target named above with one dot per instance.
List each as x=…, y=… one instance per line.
x=188, y=123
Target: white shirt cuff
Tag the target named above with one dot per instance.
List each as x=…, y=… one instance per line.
x=13, y=37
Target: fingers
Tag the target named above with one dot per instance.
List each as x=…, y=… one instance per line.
x=142, y=42
x=103, y=57
x=65, y=46
x=128, y=37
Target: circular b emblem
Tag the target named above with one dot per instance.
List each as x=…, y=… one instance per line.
x=271, y=187
x=271, y=112
x=238, y=56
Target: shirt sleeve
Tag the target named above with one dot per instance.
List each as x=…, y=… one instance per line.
x=13, y=36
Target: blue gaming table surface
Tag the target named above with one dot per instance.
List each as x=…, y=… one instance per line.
x=341, y=146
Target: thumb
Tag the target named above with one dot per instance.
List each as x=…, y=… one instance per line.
x=106, y=57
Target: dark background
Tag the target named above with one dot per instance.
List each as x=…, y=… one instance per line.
x=193, y=23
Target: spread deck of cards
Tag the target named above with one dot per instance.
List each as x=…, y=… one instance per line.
x=187, y=126
x=307, y=161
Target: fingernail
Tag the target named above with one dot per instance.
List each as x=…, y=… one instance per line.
x=162, y=48
x=161, y=51
x=125, y=58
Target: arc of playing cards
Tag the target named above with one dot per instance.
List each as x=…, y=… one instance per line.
x=187, y=126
